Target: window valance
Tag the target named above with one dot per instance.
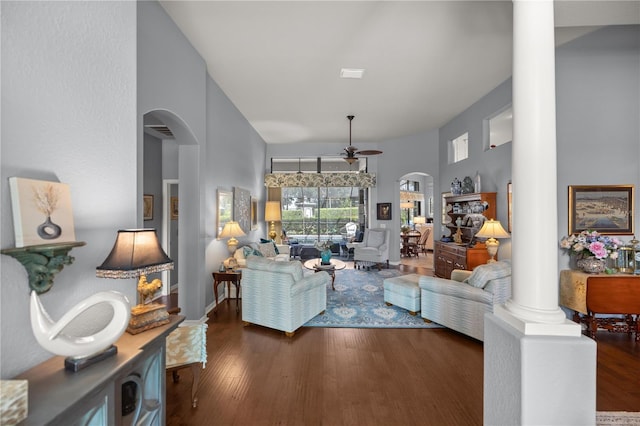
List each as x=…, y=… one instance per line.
x=316, y=180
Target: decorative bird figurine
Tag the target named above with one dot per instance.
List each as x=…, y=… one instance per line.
x=51, y=336
x=147, y=289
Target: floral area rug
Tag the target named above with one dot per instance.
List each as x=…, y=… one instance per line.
x=606, y=418
x=358, y=302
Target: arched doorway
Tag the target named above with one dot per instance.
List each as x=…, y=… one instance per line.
x=178, y=162
x=416, y=216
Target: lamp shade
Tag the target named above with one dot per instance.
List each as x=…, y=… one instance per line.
x=406, y=205
x=231, y=229
x=492, y=229
x=136, y=252
x=419, y=220
x=272, y=211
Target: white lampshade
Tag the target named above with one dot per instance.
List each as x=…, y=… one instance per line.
x=491, y=230
x=406, y=205
x=231, y=230
x=419, y=220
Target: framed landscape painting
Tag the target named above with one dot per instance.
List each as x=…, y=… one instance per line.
x=607, y=209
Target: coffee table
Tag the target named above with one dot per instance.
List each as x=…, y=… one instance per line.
x=333, y=266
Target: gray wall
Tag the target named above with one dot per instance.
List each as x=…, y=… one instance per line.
x=598, y=136
x=68, y=115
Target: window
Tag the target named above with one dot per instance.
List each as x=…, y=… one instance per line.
x=319, y=214
x=459, y=148
x=498, y=129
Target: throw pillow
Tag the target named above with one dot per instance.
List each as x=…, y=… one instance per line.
x=491, y=271
x=267, y=249
x=275, y=247
x=375, y=239
x=250, y=251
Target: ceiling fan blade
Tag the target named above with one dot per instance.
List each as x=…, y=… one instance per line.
x=369, y=152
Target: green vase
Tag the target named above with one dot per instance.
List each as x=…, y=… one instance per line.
x=325, y=255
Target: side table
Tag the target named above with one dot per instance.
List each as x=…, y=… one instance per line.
x=231, y=277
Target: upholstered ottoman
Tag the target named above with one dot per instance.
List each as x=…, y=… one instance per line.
x=403, y=291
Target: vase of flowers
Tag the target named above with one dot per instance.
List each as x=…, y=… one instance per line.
x=325, y=251
x=591, y=250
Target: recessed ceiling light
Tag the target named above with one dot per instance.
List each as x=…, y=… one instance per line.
x=351, y=72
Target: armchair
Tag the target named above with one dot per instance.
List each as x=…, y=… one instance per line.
x=187, y=348
x=374, y=249
x=278, y=295
x=461, y=302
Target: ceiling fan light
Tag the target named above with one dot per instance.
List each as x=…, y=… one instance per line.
x=350, y=160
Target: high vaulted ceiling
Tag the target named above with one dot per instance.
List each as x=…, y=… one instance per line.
x=425, y=61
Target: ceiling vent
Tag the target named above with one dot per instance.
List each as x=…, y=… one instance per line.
x=351, y=73
x=159, y=131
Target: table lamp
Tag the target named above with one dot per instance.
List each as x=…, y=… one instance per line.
x=232, y=230
x=492, y=229
x=419, y=220
x=272, y=214
x=135, y=254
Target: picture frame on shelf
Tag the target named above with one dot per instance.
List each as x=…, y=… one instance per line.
x=607, y=209
x=384, y=211
x=147, y=207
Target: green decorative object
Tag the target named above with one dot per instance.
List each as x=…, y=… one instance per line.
x=43, y=261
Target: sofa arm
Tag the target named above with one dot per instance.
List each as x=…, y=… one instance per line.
x=455, y=289
x=318, y=279
x=460, y=275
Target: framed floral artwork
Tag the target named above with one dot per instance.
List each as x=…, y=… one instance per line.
x=607, y=209
x=147, y=207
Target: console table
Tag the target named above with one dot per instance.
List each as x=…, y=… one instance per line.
x=128, y=388
x=610, y=302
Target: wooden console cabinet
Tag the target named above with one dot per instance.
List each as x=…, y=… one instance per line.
x=609, y=302
x=125, y=389
x=450, y=256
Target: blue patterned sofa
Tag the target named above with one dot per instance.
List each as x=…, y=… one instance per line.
x=278, y=295
x=460, y=303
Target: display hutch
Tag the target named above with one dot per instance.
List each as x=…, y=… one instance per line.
x=463, y=216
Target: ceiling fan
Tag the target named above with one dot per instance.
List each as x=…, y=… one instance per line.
x=352, y=151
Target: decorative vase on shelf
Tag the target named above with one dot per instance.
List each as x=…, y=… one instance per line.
x=456, y=187
x=325, y=256
x=591, y=265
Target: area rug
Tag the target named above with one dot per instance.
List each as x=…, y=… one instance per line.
x=607, y=418
x=358, y=302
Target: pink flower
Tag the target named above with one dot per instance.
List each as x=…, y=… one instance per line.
x=598, y=249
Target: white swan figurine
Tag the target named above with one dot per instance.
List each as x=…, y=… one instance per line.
x=50, y=336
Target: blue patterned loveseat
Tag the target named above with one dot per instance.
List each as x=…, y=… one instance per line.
x=460, y=303
x=278, y=295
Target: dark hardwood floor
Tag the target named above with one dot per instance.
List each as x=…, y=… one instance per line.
x=322, y=376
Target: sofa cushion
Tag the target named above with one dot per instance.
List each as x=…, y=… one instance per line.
x=267, y=249
x=482, y=274
x=269, y=265
x=375, y=238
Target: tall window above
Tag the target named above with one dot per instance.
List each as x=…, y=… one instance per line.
x=498, y=129
x=459, y=148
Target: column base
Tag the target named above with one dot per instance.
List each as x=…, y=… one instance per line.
x=537, y=380
x=563, y=327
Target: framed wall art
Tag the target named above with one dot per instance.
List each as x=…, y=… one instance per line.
x=509, y=205
x=147, y=207
x=242, y=208
x=384, y=211
x=41, y=212
x=225, y=208
x=607, y=209
x=174, y=208
x=254, y=213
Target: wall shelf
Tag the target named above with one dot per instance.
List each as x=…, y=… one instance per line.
x=43, y=261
